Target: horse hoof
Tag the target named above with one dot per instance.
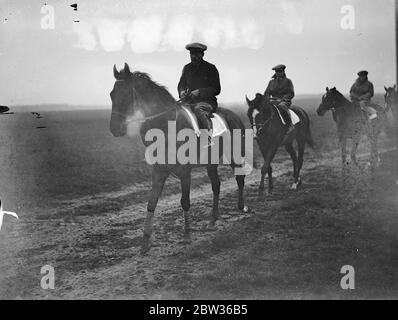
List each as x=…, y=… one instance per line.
x=294, y=186
x=145, y=248
x=146, y=245
x=187, y=238
x=246, y=209
x=212, y=226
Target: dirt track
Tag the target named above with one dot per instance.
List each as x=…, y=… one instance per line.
x=292, y=246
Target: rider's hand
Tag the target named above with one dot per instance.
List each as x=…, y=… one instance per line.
x=183, y=94
x=195, y=93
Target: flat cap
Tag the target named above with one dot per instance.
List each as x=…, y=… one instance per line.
x=196, y=46
x=279, y=67
x=362, y=73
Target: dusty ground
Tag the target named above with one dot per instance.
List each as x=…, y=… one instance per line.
x=292, y=246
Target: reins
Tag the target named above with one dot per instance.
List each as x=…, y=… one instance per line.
x=261, y=125
x=142, y=119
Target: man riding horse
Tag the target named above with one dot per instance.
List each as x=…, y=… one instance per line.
x=361, y=92
x=280, y=91
x=200, y=84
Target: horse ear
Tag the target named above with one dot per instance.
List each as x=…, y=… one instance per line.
x=116, y=73
x=248, y=101
x=327, y=89
x=126, y=68
x=395, y=86
x=334, y=88
x=385, y=89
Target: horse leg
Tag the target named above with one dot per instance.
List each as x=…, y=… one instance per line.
x=186, y=204
x=374, y=156
x=158, y=180
x=263, y=173
x=267, y=169
x=215, y=186
x=240, y=180
x=289, y=148
x=301, y=148
x=343, y=147
x=270, y=180
x=355, y=143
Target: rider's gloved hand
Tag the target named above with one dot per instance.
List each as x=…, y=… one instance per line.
x=195, y=93
x=183, y=94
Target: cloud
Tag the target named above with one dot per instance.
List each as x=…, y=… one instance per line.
x=154, y=26
x=112, y=34
x=145, y=34
x=180, y=31
x=86, y=39
x=291, y=19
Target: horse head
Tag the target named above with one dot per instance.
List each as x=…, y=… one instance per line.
x=330, y=100
x=122, y=100
x=391, y=96
x=260, y=110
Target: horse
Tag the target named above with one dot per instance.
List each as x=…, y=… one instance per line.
x=352, y=124
x=270, y=134
x=391, y=103
x=137, y=92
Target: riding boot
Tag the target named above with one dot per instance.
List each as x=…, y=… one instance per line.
x=290, y=128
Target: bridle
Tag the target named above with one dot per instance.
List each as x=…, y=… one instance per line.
x=142, y=119
x=260, y=126
x=390, y=96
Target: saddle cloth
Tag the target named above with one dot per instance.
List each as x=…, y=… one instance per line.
x=219, y=124
x=293, y=116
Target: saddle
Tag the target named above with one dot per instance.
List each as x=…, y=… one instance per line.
x=292, y=114
x=219, y=124
x=366, y=114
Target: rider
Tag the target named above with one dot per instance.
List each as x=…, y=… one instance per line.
x=280, y=90
x=200, y=84
x=362, y=91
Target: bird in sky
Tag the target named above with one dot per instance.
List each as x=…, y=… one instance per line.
x=2, y=213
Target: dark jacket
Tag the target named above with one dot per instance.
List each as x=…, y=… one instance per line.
x=362, y=91
x=280, y=88
x=204, y=77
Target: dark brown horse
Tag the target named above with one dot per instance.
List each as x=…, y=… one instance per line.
x=135, y=91
x=352, y=124
x=391, y=100
x=270, y=134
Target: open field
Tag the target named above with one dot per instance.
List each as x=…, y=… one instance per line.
x=81, y=197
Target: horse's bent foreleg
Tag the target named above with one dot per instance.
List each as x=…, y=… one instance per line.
x=268, y=155
x=158, y=180
x=215, y=185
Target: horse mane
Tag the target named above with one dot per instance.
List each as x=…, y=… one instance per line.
x=340, y=96
x=154, y=88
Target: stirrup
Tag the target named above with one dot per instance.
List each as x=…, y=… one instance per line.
x=210, y=142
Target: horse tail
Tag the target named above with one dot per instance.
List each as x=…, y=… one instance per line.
x=309, y=139
x=388, y=128
x=308, y=136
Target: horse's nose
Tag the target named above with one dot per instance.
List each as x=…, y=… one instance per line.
x=115, y=127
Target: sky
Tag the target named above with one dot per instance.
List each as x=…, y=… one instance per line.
x=322, y=43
